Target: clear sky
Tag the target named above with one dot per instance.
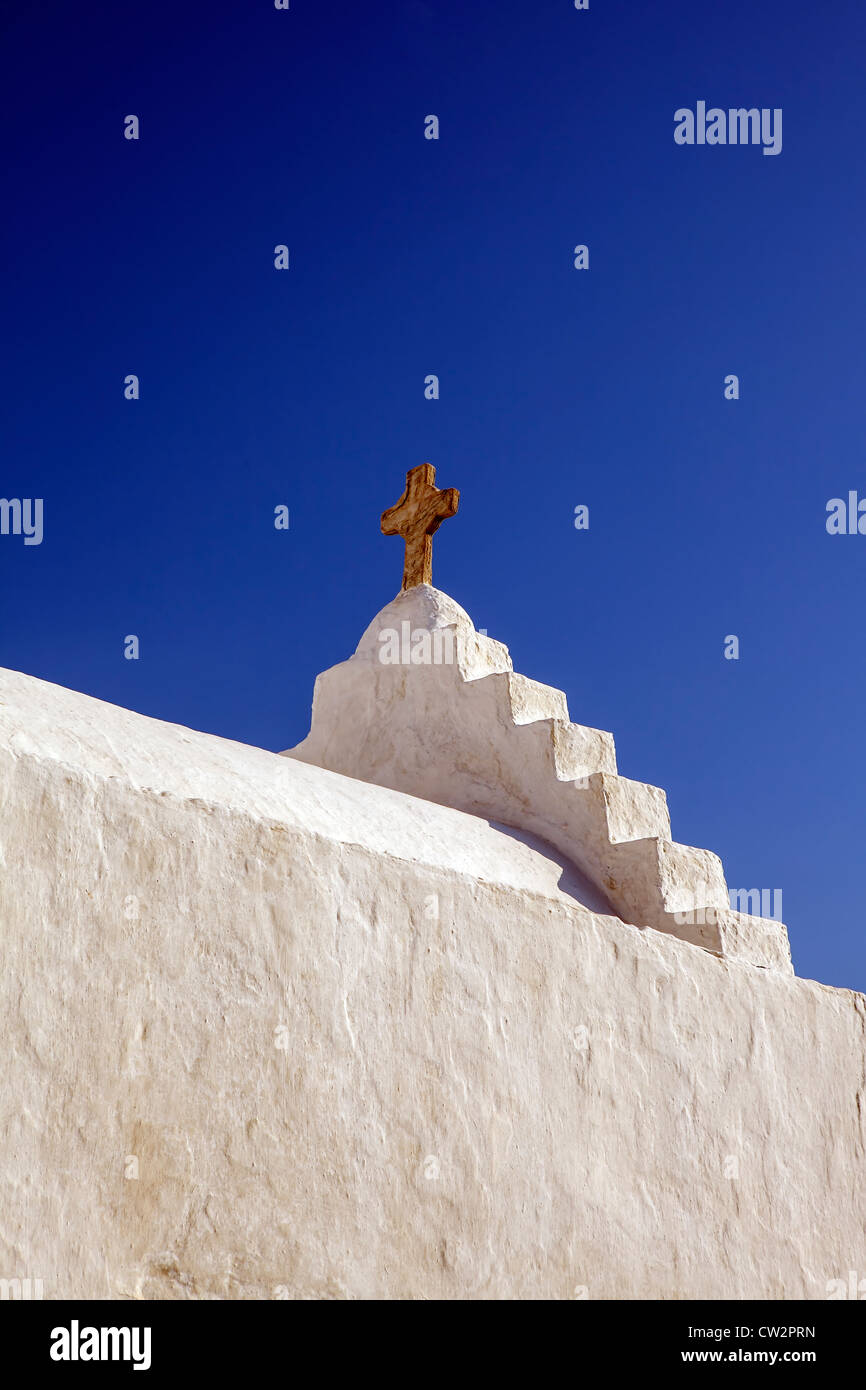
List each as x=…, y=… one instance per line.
x=558, y=387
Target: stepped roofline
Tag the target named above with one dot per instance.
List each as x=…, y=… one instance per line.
x=429, y=706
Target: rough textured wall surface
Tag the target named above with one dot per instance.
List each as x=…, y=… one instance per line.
x=273, y=1032
x=461, y=728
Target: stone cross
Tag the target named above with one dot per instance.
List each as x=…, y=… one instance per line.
x=419, y=513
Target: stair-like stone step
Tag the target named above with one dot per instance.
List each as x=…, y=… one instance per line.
x=571, y=752
x=530, y=700
x=654, y=878
x=471, y=732
x=633, y=810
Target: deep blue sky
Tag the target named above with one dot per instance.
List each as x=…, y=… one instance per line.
x=558, y=387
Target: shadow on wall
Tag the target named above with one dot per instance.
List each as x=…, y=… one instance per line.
x=572, y=881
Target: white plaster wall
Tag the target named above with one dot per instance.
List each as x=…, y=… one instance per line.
x=365, y=1048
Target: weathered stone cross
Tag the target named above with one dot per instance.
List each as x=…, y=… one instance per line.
x=419, y=513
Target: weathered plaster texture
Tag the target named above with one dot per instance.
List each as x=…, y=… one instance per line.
x=356, y=1045
x=458, y=726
